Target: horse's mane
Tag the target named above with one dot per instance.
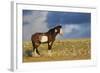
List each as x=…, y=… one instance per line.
x=52, y=29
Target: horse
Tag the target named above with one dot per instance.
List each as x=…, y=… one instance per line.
x=47, y=37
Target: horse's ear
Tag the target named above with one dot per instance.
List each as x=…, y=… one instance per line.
x=55, y=30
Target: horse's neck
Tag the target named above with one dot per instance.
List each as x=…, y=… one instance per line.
x=52, y=33
x=55, y=34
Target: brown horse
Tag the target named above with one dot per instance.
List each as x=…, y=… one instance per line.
x=48, y=37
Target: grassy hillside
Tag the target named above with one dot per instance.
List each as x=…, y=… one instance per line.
x=67, y=49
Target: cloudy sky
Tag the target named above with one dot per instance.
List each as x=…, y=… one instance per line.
x=75, y=25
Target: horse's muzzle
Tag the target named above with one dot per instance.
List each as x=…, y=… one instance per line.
x=61, y=31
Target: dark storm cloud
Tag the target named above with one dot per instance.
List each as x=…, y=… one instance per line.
x=68, y=18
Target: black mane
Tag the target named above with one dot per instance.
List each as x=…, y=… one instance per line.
x=52, y=30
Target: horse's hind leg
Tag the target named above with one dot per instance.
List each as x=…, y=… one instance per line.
x=35, y=51
x=37, y=44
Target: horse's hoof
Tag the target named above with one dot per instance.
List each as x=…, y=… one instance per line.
x=39, y=56
x=36, y=55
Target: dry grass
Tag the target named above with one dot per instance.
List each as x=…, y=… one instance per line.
x=69, y=49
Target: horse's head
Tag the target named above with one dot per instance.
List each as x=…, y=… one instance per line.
x=58, y=29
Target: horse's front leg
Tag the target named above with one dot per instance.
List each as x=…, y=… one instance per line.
x=49, y=48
